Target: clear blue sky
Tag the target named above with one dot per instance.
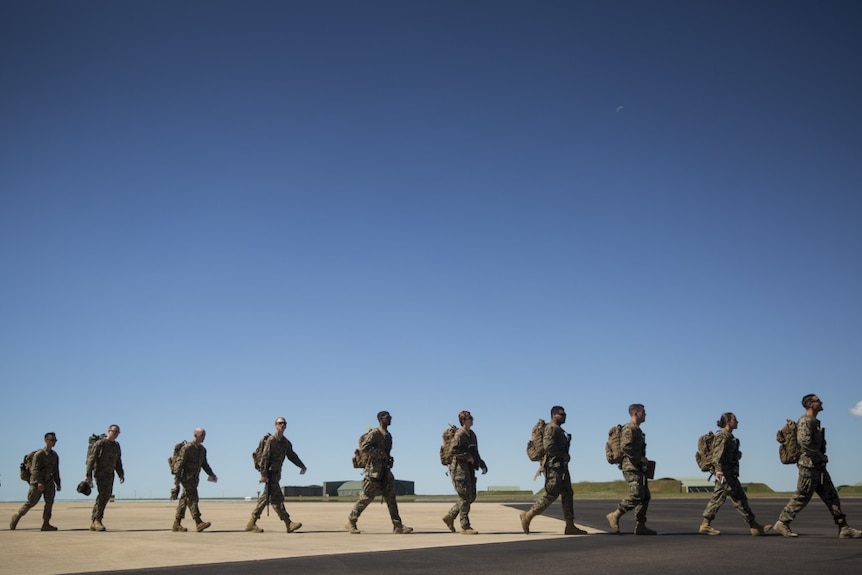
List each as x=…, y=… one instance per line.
x=217, y=213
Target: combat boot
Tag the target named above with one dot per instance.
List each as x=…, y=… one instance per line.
x=14, y=522
x=758, y=529
x=201, y=525
x=847, y=532
x=526, y=517
x=97, y=525
x=614, y=520
x=292, y=525
x=784, y=529
x=707, y=529
x=572, y=529
x=642, y=529
x=177, y=527
x=468, y=531
x=400, y=528
x=351, y=527
x=252, y=526
x=450, y=522
x=47, y=526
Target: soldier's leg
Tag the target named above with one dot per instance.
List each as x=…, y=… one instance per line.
x=827, y=492
x=719, y=495
x=806, y=484
x=553, y=488
x=190, y=494
x=33, y=496
x=467, y=499
x=740, y=500
x=48, y=497
x=389, y=497
x=370, y=490
x=105, y=487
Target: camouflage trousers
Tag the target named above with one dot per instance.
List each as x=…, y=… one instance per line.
x=733, y=488
x=639, y=495
x=464, y=480
x=558, y=483
x=272, y=495
x=105, y=486
x=33, y=497
x=371, y=488
x=189, y=499
x=810, y=481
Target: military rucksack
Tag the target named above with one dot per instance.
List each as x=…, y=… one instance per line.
x=257, y=454
x=360, y=458
x=448, y=444
x=613, y=446
x=535, y=446
x=91, y=443
x=174, y=459
x=788, y=448
x=26, y=467
x=703, y=455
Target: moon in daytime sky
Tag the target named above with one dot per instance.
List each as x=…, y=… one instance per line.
x=619, y=108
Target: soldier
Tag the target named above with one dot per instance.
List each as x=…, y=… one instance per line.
x=45, y=474
x=462, y=470
x=103, y=460
x=191, y=459
x=276, y=449
x=725, y=462
x=634, y=466
x=378, y=476
x=558, y=481
x=813, y=476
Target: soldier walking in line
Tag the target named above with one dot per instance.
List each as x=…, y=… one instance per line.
x=377, y=445
x=44, y=476
x=555, y=467
x=103, y=460
x=189, y=462
x=725, y=466
x=634, y=468
x=465, y=461
x=813, y=476
x=275, y=450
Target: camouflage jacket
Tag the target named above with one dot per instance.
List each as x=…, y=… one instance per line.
x=726, y=453
x=633, y=446
x=378, y=446
x=105, y=458
x=812, y=442
x=274, y=453
x=556, y=443
x=46, y=468
x=466, y=444
x=193, y=458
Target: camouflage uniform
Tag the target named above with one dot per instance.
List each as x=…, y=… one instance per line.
x=192, y=458
x=813, y=476
x=104, y=459
x=274, y=453
x=726, y=456
x=378, y=476
x=633, y=445
x=45, y=470
x=463, y=473
x=555, y=466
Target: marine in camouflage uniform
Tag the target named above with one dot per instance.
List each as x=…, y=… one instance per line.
x=275, y=451
x=558, y=481
x=634, y=468
x=103, y=460
x=190, y=460
x=45, y=475
x=725, y=466
x=465, y=461
x=813, y=476
x=378, y=480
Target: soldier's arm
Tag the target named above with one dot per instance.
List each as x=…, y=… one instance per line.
x=809, y=440
x=205, y=464
x=718, y=448
x=91, y=458
x=293, y=457
x=120, y=473
x=57, y=472
x=372, y=445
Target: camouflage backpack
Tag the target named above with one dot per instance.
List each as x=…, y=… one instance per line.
x=91, y=443
x=448, y=444
x=174, y=459
x=26, y=468
x=788, y=448
x=535, y=446
x=613, y=446
x=257, y=454
x=703, y=455
x=360, y=458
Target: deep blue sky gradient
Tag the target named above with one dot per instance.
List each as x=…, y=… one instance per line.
x=217, y=213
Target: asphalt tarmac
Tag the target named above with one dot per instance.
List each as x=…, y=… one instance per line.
x=138, y=541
